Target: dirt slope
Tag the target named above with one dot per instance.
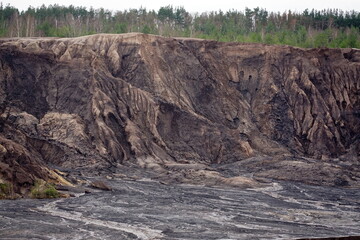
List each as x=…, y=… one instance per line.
x=107, y=100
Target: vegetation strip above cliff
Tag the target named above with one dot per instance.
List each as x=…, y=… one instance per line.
x=311, y=28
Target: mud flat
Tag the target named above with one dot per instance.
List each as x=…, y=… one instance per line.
x=147, y=209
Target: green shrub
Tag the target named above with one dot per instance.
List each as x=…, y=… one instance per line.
x=51, y=192
x=6, y=190
x=42, y=189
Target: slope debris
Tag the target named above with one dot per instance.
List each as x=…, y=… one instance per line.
x=186, y=110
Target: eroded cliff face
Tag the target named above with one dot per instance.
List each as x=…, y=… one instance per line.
x=105, y=100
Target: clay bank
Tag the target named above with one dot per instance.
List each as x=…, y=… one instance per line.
x=228, y=117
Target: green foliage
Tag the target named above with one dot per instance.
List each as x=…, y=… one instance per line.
x=255, y=37
x=2, y=32
x=166, y=13
x=41, y=189
x=322, y=39
x=301, y=36
x=63, y=32
x=353, y=38
x=47, y=29
x=209, y=28
x=6, y=190
x=146, y=29
x=311, y=28
x=269, y=39
x=120, y=28
x=51, y=192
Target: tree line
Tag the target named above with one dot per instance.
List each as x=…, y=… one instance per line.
x=310, y=28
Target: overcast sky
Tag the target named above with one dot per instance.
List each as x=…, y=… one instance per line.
x=196, y=5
